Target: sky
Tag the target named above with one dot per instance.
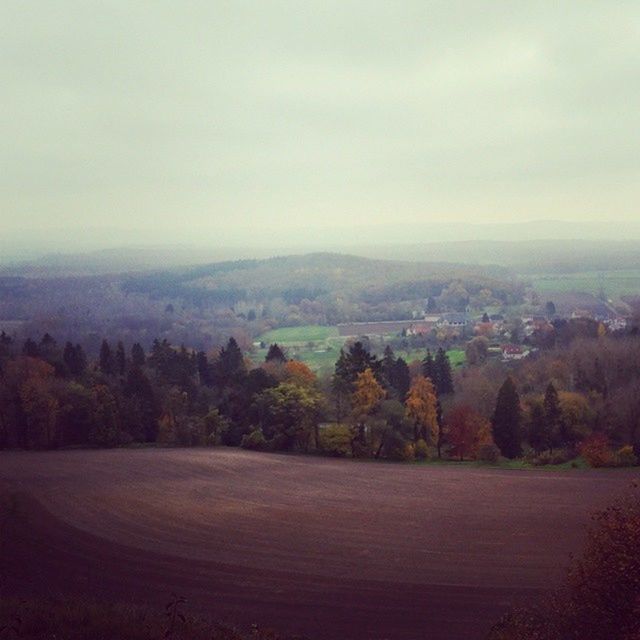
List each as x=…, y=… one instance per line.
x=253, y=122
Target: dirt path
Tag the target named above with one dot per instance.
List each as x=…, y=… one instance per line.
x=334, y=549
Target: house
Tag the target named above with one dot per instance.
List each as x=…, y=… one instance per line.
x=457, y=320
x=419, y=328
x=513, y=352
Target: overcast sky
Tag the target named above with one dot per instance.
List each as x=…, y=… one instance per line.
x=221, y=121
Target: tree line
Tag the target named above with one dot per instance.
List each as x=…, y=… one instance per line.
x=372, y=406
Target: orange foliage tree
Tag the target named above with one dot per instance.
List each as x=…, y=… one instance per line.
x=364, y=401
x=299, y=373
x=422, y=409
x=467, y=431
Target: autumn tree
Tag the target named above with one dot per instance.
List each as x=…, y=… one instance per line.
x=467, y=431
x=421, y=407
x=506, y=421
x=299, y=373
x=288, y=415
x=365, y=399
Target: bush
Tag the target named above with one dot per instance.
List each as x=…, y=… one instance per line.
x=421, y=450
x=80, y=619
x=547, y=457
x=254, y=440
x=335, y=440
x=595, y=450
x=489, y=453
x=408, y=452
x=600, y=599
x=626, y=457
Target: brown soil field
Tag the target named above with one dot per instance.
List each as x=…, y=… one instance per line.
x=333, y=549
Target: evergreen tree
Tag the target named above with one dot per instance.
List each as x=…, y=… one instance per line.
x=120, y=359
x=105, y=361
x=539, y=436
x=230, y=368
x=485, y=317
x=30, y=349
x=428, y=367
x=138, y=357
x=506, y=420
x=354, y=362
x=443, y=378
x=387, y=367
x=74, y=359
x=204, y=370
x=401, y=379
x=552, y=415
x=275, y=354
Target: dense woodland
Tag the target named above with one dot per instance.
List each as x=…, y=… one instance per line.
x=203, y=306
x=578, y=398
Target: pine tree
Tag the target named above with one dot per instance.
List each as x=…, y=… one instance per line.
x=105, y=361
x=353, y=362
x=506, y=420
x=401, y=379
x=204, y=371
x=120, y=359
x=30, y=349
x=138, y=357
x=552, y=415
x=275, y=354
x=428, y=367
x=539, y=436
x=443, y=378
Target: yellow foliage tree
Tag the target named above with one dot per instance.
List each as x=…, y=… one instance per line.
x=422, y=409
x=364, y=400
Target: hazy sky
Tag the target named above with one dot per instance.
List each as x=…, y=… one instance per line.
x=220, y=121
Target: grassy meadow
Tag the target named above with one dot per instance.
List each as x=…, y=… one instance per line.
x=319, y=346
x=614, y=283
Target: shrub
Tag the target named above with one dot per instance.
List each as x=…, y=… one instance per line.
x=489, y=453
x=408, y=452
x=547, y=457
x=421, y=450
x=600, y=599
x=595, y=450
x=626, y=457
x=254, y=440
x=335, y=440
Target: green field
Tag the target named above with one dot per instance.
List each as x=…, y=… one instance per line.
x=319, y=347
x=613, y=283
x=296, y=335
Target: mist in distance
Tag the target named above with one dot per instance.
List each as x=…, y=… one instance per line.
x=273, y=126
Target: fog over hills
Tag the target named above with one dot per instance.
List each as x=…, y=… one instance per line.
x=530, y=246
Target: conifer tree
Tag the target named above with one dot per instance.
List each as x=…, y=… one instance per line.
x=506, y=420
x=443, y=378
x=138, y=357
x=120, y=359
x=105, y=362
x=552, y=415
x=539, y=436
x=275, y=354
x=428, y=367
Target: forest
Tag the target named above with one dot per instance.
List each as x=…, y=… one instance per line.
x=577, y=402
